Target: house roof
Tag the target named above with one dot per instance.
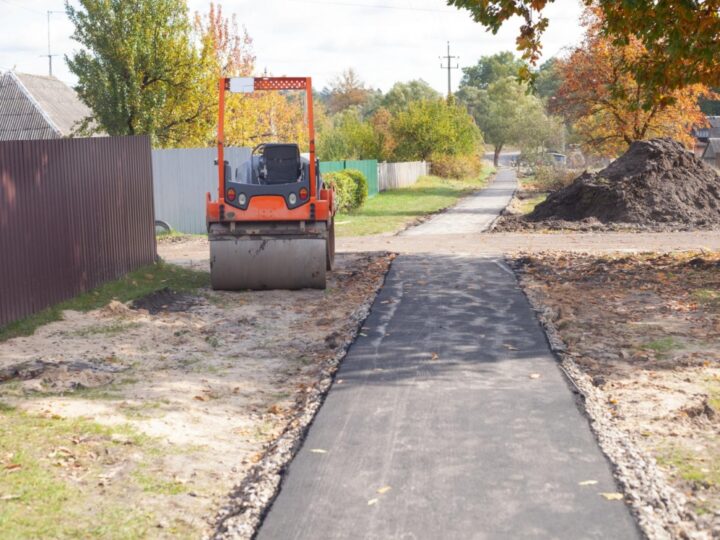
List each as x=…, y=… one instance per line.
x=38, y=107
x=712, y=150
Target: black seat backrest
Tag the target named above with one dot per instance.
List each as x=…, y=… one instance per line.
x=282, y=164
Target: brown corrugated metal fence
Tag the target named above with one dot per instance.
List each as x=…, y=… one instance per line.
x=74, y=213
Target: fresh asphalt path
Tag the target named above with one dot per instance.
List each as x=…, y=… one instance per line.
x=449, y=418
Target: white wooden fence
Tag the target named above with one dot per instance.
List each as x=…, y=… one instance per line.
x=399, y=175
x=182, y=177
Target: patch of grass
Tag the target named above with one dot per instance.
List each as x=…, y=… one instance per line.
x=703, y=470
x=391, y=210
x=45, y=502
x=528, y=205
x=134, y=285
x=663, y=345
x=153, y=483
x=112, y=329
x=708, y=298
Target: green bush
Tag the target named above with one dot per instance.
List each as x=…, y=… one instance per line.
x=361, y=187
x=460, y=167
x=351, y=189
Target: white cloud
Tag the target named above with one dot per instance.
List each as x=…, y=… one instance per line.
x=315, y=37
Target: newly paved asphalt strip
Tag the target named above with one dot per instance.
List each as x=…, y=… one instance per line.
x=449, y=418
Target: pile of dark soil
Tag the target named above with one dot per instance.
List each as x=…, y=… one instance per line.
x=656, y=184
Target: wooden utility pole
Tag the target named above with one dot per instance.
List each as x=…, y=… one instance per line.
x=449, y=59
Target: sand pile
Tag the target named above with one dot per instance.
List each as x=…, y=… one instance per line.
x=656, y=182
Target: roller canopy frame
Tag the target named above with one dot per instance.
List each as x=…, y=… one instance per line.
x=248, y=85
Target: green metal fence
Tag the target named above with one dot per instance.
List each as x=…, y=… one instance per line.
x=368, y=167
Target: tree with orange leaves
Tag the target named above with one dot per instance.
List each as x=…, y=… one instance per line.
x=250, y=118
x=608, y=107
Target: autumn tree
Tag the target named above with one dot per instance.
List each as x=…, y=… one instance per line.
x=679, y=38
x=138, y=70
x=609, y=107
x=345, y=91
x=249, y=118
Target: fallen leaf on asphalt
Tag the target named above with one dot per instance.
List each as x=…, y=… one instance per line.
x=588, y=483
x=384, y=489
x=613, y=496
x=318, y=451
x=509, y=347
x=534, y=375
x=372, y=501
x=434, y=356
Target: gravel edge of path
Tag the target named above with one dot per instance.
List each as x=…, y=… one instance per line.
x=659, y=508
x=243, y=510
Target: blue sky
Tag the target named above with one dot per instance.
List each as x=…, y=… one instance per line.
x=384, y=40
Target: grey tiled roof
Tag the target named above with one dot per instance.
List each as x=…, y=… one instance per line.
x=38, y=107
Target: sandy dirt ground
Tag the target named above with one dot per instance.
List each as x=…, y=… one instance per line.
x=193, y=252
x=646, y=330
x=201, y=383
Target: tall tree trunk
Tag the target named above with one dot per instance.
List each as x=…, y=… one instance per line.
x=496, y=156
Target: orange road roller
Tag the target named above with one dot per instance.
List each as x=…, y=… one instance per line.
x=271, y=226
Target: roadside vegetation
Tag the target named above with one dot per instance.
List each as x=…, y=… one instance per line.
x=535, y=184
x=134, y=285
x=392, y=210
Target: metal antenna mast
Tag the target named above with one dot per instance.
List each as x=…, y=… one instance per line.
x=449, y=67
x=49, y=53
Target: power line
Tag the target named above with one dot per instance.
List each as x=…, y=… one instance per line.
x=369, y=6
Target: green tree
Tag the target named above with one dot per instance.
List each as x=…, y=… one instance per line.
x=548, y=79
x=430, y=127
x=402, y=93
x=347, y=137
x=492, y=68
x=502, y=111
x=139, y=70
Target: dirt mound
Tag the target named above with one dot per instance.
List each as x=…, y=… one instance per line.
x=656, y=182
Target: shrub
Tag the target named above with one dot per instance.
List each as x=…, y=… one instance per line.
x=447, y=166
x=549, y=178
x=361, y=187
x=343, y=186
x=351, y=189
